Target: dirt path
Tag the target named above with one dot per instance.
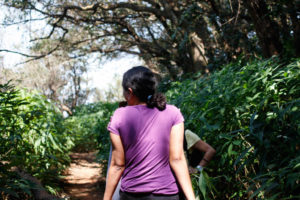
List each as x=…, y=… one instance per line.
x=83, y=178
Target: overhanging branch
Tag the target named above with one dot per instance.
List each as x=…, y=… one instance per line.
x=23, y=21
x=20, y=53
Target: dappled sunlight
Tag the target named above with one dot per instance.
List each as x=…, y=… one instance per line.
x=83, y=178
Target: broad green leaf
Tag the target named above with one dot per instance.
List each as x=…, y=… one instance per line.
x=202, y=185
x=230, y=149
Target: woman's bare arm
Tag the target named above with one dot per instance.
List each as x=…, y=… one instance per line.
x=178, y=162
x=117, y=166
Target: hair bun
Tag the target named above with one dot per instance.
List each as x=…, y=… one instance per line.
x=157, y=100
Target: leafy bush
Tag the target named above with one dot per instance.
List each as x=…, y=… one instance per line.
x=33, y=139
x=251, y=115
x=88, y=127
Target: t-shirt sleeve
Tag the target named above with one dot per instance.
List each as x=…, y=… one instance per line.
x=191, y=138
x=114, y=124
x=178, y=117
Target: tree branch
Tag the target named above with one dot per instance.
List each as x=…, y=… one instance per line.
x=24, y=21
x=124, y=49
x=136, y=7
x=20, y=53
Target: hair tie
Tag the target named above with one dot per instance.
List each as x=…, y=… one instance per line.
x=149, y=97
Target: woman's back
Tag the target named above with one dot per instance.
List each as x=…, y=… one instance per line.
x=147, y=143
x=145, y=135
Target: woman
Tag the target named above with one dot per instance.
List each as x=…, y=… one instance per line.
x=194, y=149
x=147, y=143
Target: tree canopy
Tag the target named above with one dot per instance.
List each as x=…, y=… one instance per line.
x=173, y=37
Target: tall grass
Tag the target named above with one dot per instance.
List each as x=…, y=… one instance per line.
x=37, y=140
x=88, y=127
x=33, y=140
x=251, y=115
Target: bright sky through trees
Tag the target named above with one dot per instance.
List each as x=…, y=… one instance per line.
x=100, y=73
x=104, y=76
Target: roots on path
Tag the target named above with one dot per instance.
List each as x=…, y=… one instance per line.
x=83, y=179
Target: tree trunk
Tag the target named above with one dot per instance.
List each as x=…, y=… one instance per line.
x=39, y=192
x=266, y=29
x=66, y=108
x=76, y=82
x=197, y=52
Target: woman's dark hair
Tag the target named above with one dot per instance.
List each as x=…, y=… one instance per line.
x=143, y=83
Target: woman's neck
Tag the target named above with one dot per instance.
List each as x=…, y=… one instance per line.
x=135, y=102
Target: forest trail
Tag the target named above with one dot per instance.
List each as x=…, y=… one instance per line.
x=83, y=179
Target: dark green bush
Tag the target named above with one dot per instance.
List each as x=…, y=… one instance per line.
x=251, y=115
x=88, y=127
x=33, y=139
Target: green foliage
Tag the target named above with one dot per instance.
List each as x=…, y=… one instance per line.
x=88, y=127
x=251, y=115
x=33, y=139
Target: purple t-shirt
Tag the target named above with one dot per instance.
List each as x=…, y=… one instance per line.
x=145, y=135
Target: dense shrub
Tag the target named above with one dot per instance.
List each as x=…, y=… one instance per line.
x=251, y=115
x=88, y=127
x=33, y=140
x=36, y=139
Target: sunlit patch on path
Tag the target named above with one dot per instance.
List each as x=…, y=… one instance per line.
x=83, y=179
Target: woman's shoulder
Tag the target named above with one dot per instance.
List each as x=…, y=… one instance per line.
x=119, y=111
x=126, y=109
x=172, y=108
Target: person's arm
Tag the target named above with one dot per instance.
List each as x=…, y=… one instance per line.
x=117, y=166
x=209, y=152
x=178, y=162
